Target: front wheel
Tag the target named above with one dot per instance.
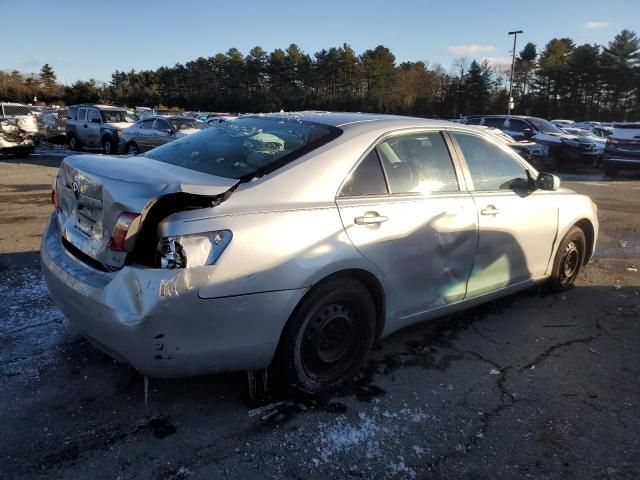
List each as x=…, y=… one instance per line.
x=568, y=262
x=73, y=142
x=326, y=341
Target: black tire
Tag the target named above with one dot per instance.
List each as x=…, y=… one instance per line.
x=610, y=172
x=132, y=149
x=568, y=261
x=73, y=142
x=328, y=337
x=108, y=146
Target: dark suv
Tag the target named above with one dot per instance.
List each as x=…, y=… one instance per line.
x=565, y=151
x=96, y=126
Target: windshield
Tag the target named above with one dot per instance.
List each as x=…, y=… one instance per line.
x=544, y=126
x=245, y=148
x=115, y=116
x=186, y=124
x=130, y=117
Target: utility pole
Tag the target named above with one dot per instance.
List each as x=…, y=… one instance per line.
x=513, y=64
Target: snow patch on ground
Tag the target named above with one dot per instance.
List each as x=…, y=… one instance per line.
x=31, y=326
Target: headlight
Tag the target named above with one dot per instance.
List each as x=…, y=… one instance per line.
x=192, y=250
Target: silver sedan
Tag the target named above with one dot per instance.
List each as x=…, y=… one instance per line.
x=294, y=241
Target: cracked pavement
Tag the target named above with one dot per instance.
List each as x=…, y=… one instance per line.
x=531, y=386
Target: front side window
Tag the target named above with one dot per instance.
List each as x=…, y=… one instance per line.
x=114, y=116
x=367, y=179
x=418, y=163
x=516, y=125
x=82, y=114
x=247, y=147
x=93, y=115
x=162, y=125
x=491, y=168
x=187, y=125
x=494, y=122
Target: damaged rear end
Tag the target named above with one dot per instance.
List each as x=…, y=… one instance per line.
x=108, y=211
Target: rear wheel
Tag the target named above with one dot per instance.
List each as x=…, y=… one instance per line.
x=610, y=171
x=73, y=142
x=326, y=341
x=107, y=146
x=569, y=260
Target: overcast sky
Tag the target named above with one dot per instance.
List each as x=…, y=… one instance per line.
x=84, y=39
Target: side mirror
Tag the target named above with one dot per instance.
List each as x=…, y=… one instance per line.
x=95, y=120
x=527, y=132
x=547, y=181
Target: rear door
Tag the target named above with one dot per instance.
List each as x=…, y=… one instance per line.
x=517, y=226
x=404, y=209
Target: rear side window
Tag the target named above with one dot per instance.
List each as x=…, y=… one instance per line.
x=247, y=147
x=491, y=168
x=367, y=179
x=146, y=124
x=494, y=122
x=82, y=114
x=418, y=163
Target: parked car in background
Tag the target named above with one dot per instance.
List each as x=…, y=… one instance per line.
x=156, y=130
x=18, y=129
x=534, y=153
x=565, y=151
x=562, y=123
x=297, y=240
x=219, y=118
x=601, y=131
x=51, y=124
x=622, y=151
x=588, y=134
x=96, y=126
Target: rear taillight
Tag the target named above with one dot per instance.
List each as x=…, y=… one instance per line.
x=120, y=231
x=612, y=141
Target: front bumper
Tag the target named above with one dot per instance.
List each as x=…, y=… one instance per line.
x=155, y=320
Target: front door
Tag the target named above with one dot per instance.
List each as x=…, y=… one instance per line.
x=403, y=209
x=163, y=133
x=94, y=121
x=517, y=225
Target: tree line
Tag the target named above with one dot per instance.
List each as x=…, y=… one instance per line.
x=562, y=80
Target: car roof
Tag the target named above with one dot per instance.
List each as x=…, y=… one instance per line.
x=100, y=107
x=346, y=119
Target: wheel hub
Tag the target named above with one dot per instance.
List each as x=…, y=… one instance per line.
x=328, y=340
x=570, y=261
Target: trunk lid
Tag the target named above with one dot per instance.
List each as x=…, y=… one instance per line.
x=94, y=190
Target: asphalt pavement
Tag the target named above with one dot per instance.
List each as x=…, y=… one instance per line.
x=531, y=386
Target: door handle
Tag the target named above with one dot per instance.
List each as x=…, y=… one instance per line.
x=490, y=210
x=370, y=218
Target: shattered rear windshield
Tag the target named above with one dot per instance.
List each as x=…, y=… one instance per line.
x=246, y=147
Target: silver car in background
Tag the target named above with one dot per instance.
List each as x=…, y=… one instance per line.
x=294, y=241
x=155, y=130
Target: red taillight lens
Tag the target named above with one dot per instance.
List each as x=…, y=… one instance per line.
x=120, y=230
x=54, y=200
x=612, y=141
